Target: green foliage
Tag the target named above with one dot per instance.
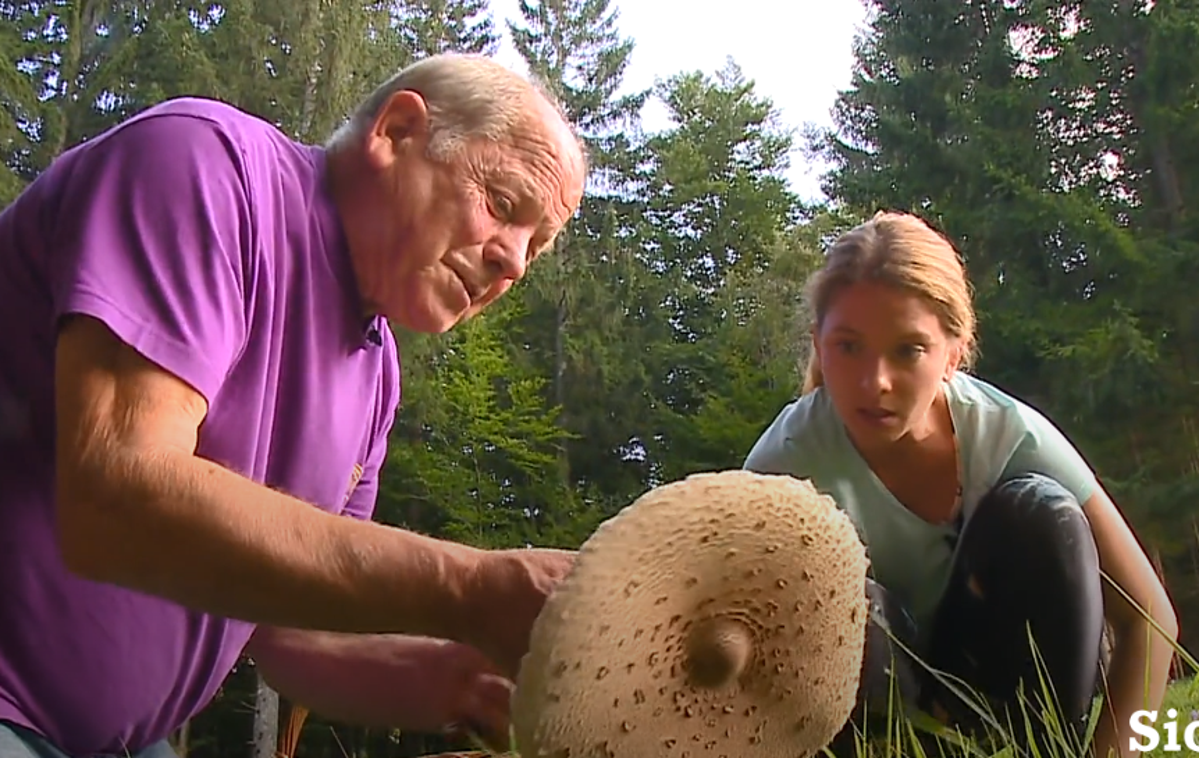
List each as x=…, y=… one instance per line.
x=578, y=295
x=1054, y=141
x=480, y=445
x=574, y=47
x=428, y=27
x=718, y=236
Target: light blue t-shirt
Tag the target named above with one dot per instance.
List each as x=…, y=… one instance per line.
x=998, y=437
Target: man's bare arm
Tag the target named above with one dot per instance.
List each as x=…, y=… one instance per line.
x=138, y=508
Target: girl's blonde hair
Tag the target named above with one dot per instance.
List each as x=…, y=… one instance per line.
x=900, y=250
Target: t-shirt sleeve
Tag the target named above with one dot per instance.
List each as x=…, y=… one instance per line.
x=153, y=232
x=1044, y=449
x=362, y=501
x=364, y=497
x=774, y=452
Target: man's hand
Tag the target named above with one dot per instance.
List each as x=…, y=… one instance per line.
x=464, y=695
x=505, y=596
x=411, y=683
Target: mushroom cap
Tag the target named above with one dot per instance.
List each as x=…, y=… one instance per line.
x=720, y=615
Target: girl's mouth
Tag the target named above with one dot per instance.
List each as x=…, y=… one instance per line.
x=878, y=416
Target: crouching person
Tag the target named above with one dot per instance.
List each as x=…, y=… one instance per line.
x=985, y=527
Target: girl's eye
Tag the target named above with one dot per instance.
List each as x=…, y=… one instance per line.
x=911, y=352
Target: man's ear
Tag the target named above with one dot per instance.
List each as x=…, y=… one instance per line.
x=401, y=123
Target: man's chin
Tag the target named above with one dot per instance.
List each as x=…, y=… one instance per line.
x=427, y=321
x=437, y=318
x=440, y=325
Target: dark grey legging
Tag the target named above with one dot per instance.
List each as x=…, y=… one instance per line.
x=18, y=742
x=1029, y=550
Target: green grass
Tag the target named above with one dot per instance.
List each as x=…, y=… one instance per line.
x=912, y=738
x=905, y=738
x=1182, y=695
x=911, y=735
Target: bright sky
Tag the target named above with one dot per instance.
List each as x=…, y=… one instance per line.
x=798, y=53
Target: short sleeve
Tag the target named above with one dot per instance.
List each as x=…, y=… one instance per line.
x=774, y=451
x=363, y=499
x=1044, y=449
x=152, y=234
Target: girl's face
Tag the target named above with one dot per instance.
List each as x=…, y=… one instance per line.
x=884, y=354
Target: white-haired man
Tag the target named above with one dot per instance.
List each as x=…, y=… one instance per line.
x=202, y=389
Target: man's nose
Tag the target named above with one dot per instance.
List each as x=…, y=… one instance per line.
x=507, y=257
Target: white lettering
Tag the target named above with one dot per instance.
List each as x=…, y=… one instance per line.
x=1189, y=736
x=1141, y=722
x=1172, y=745
x=1144, y=724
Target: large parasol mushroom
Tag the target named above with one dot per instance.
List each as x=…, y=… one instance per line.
x=720, y=616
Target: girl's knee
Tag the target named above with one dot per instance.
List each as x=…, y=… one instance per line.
x=1037, y=511
x=1031, y=496
x=1029, y=543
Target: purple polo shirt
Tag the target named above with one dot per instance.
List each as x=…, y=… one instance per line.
x=206, y=239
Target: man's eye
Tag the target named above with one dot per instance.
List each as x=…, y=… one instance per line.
x=503, y=206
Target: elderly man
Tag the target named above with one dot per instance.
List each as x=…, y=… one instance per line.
x=197, y=382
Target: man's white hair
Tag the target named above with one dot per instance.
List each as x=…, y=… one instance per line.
x=468, y=97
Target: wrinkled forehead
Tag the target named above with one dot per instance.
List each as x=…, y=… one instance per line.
x=547, y=146
x=546, y=166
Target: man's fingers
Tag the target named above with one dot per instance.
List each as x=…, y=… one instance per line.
x=495, y=737
x=492, y=695
x=488, y=711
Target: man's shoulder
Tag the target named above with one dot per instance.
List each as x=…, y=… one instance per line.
x=195, y=142
x=273, y=180
x=218, y=141
x=238, y=125
x=206, y=108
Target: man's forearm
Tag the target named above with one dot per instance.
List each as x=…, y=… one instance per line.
x=188, y=530
x=362, y=680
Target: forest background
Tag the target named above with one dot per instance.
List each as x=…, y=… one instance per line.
x=1055, y=142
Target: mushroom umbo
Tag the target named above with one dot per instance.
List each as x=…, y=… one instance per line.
x=723, y=615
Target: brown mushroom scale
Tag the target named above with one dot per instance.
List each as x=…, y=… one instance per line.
x=723, y=615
